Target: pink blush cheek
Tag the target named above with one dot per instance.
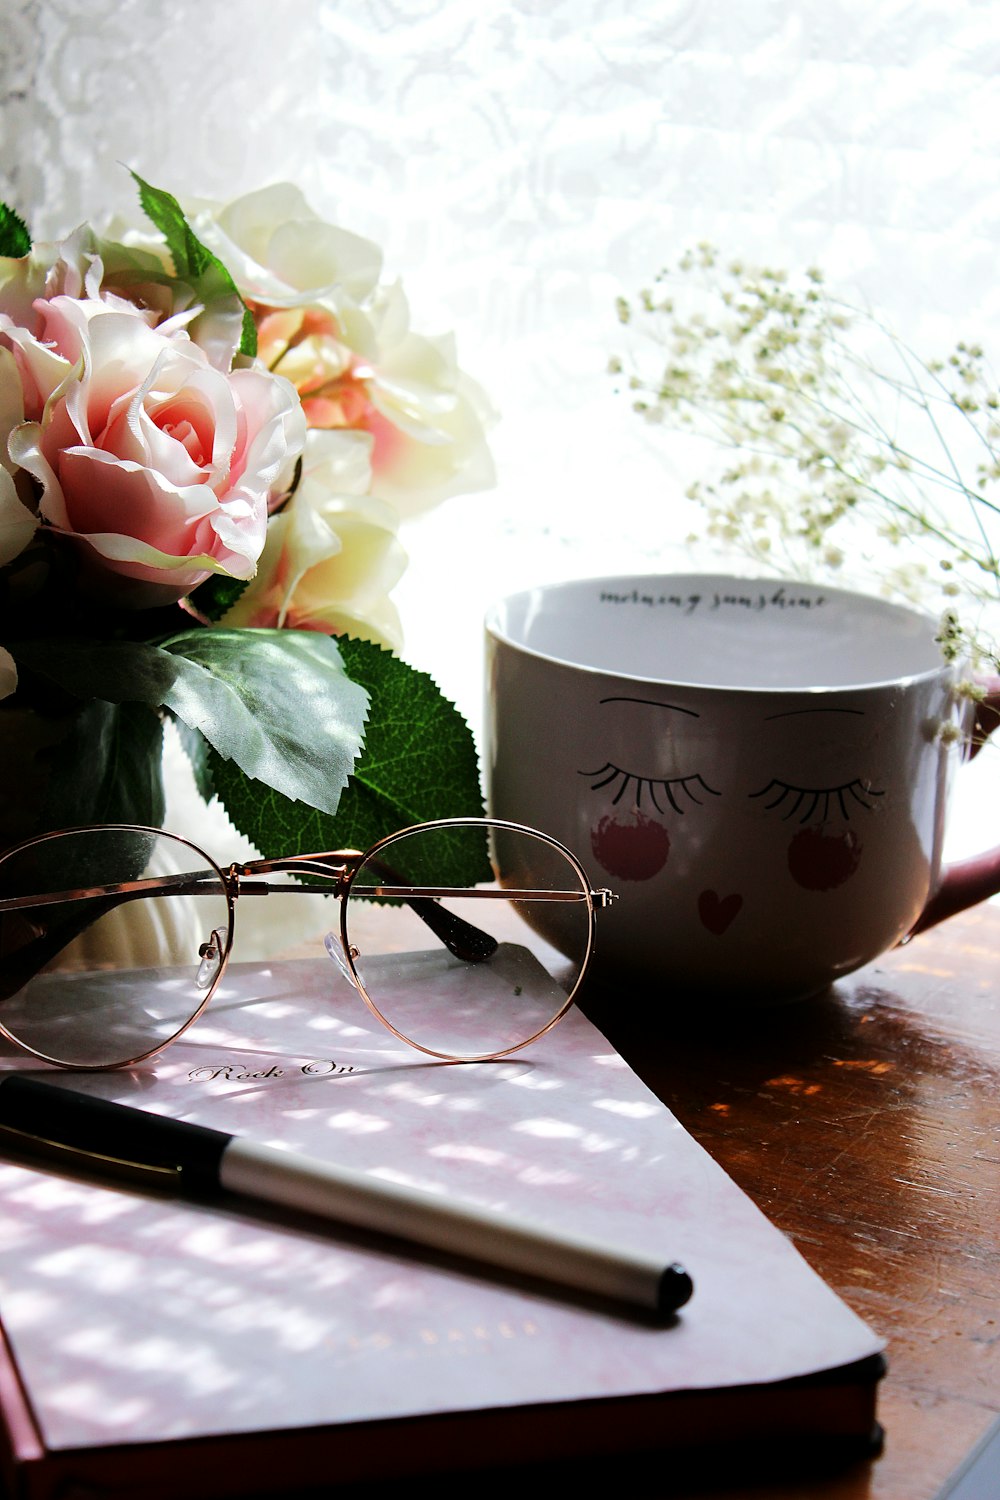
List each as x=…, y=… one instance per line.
x=635, y=848
x=819, y=861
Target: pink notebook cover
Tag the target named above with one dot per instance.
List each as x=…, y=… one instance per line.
x=133, y=1319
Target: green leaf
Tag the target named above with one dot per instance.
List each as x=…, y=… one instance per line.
x=15, y=241
x=419, y=759
x=108, y=768
x=217, y=595
x=117, y=671
x=195, y=747
x=419, y=763
x=277, y=702
x=192, y=260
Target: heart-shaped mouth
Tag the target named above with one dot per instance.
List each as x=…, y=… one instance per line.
x=717, y=912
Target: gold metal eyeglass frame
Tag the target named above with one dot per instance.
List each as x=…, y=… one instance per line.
x=242, y=878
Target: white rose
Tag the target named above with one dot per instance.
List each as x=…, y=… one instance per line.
x=282, y=254
x=17, y=524
x=332, y=554
x=371, y=373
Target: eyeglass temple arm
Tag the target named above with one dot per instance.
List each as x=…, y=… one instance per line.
x=30, y=959
x=461, y=938
x=24, y=962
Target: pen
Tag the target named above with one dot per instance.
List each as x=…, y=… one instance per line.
x=199, y=1162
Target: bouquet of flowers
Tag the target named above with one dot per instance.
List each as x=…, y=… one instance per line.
x=209, y=432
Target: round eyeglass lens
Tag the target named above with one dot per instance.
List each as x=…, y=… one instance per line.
x=111, y=940
x=469, y=938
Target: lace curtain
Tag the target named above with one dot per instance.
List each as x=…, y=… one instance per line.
x=521, y=162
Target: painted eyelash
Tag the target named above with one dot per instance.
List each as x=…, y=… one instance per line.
x=608, y=773
x=810, y=799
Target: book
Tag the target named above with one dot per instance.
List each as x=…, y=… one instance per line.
x=977, y=1477
x=153, y=1347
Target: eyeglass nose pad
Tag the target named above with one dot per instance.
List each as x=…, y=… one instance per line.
x=210, y=954
x=333, y=946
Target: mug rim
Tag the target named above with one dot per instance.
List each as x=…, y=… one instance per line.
x=889, y=607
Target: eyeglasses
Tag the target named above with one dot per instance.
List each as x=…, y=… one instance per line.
x=464, y=971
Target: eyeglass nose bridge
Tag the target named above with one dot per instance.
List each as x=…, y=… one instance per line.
x=337, y=868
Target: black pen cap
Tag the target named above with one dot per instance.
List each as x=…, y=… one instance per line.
x=89, y=1126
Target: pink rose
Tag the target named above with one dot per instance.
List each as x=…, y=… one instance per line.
x=160, y=466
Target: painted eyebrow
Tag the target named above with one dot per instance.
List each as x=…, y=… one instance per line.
x=654, y=703
x=795, y=712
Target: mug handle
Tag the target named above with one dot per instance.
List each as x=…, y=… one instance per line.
x=968, y=881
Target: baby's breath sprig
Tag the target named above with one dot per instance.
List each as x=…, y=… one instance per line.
x=841, y=438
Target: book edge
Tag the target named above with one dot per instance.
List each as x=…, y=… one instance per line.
x=828, y=1416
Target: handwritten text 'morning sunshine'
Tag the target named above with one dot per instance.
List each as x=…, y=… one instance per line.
x=754, y=602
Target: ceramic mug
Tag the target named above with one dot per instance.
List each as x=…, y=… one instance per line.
x=759, y=769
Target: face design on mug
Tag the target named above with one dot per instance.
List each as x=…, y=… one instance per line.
x=639, y=816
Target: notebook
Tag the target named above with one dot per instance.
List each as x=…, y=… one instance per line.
x=154, y=1347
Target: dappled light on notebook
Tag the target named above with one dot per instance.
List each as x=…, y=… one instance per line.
x=236, y=1317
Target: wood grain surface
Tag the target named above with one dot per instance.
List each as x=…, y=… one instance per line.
x=865, y=1124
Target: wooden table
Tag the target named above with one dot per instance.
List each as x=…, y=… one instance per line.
x=866, y=1126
